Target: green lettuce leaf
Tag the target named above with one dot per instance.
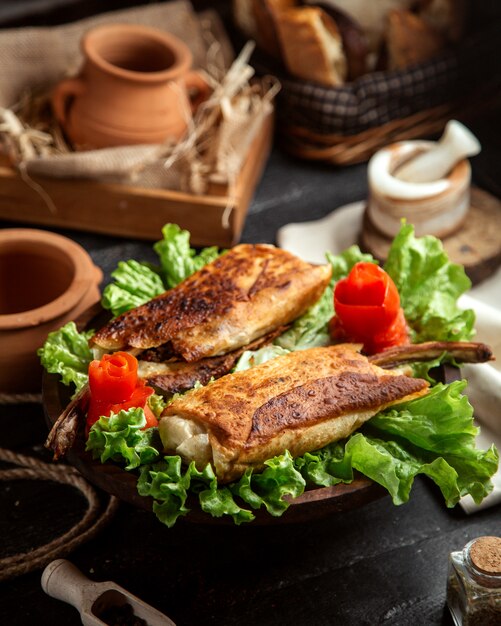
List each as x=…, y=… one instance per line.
x=165, y=482
x=429, y=286
x=178, y=260
x=433, y=435
x=219, y=501
x=343, y=263
x=314, y=466
x=279, y=479
x=135, y=283
x=120, y=438
x=169, y=486
x=421, y=369
x=441, y=423
x=66, y=352
x=250, y=358
x=157, y=404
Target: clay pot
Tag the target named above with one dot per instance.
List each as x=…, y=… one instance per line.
x=46, y=280
x=134, y=88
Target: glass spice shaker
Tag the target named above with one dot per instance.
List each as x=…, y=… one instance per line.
x=474, y=583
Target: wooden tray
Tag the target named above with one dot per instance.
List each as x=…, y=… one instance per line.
x=128, y=211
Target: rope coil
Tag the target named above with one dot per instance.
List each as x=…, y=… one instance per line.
x=90, y=524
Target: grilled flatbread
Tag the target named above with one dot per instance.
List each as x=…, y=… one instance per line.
x=298, y=402
x=244, y=294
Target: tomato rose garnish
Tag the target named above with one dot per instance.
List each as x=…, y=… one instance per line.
x=368, y=311
x=114, y=377
x=114, y=386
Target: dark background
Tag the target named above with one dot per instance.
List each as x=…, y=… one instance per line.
x=379, y=564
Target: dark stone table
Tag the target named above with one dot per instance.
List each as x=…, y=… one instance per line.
x=379, y=564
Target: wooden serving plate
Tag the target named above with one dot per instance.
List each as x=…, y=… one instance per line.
x=314, y=503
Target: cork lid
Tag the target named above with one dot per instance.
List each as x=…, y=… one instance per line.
x=485, y=554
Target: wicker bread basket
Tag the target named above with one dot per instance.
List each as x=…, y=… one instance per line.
x=347, y=124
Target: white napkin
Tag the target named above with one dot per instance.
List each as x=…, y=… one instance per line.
x=484, y=380
x=338, y=231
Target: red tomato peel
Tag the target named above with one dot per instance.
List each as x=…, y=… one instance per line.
x=114, y=386
x=114, y=377
x=367, y=306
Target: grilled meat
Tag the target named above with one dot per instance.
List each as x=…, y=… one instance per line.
x=179, y=376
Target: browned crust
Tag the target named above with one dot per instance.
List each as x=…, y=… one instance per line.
x=326, y=398
x=207, y=293
x=265, y=12
x=196, y=313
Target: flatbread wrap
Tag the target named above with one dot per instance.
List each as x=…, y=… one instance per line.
x=244, y=294
x=298, y=402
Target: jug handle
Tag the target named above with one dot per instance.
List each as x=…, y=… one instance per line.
x=197, y=83
x=65, y=91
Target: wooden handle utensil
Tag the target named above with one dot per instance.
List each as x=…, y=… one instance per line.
x=96, y=601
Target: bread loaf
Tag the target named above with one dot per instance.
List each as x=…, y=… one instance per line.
x=257, y=20
x=312, y=45
x=371, y=15
x=410, y=39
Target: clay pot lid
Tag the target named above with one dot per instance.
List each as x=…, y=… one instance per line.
x=106, y=34
x=57, y=247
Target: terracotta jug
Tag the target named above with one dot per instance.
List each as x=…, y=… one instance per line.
x=46, y=280
x=134, y=88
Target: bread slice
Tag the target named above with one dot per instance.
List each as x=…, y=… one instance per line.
x=312, y=45
x=371, y=15
x=257, y=20
x=266, y=13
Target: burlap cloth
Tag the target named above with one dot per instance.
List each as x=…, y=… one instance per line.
x=33, y=60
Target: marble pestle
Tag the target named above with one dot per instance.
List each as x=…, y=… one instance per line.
x=456, y=143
